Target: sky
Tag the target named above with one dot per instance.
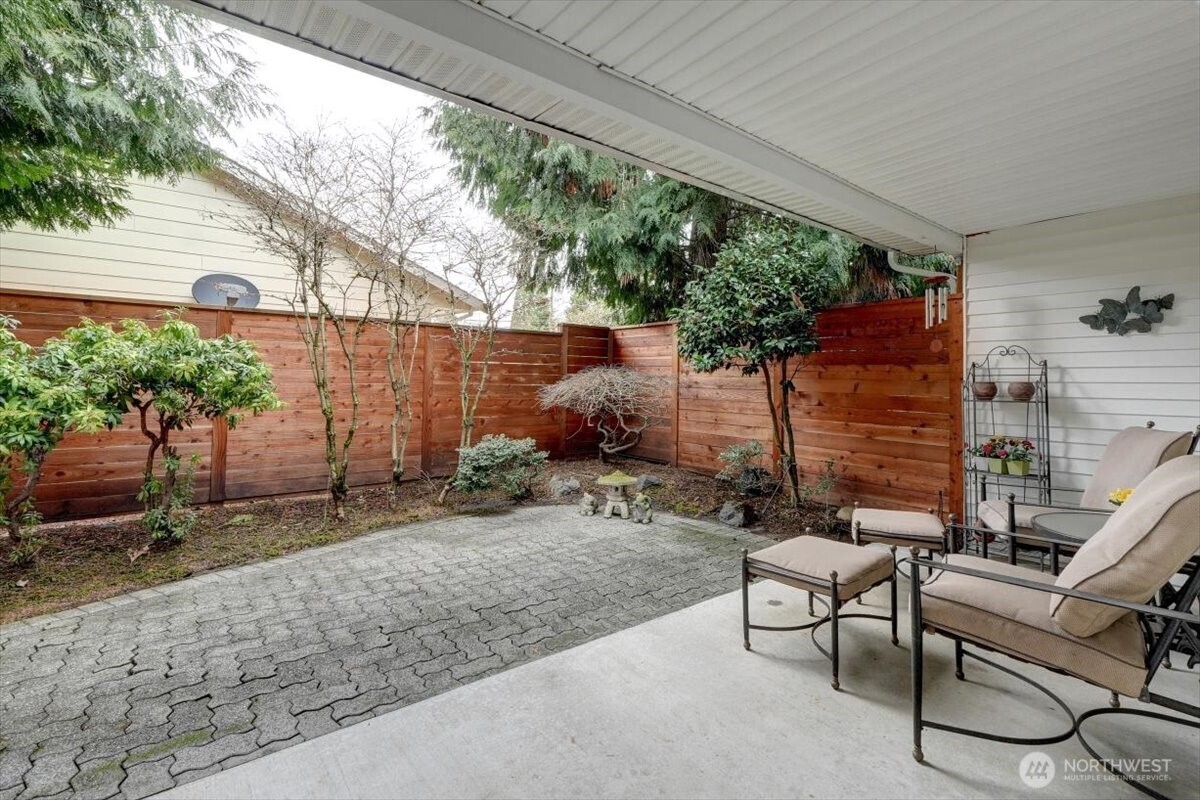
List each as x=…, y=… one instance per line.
x=307, y=88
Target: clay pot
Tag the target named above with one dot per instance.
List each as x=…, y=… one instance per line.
x=1022, y=390
x=984, y=390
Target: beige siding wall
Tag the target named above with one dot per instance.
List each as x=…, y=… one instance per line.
x=1029, y=286
x=169, y=239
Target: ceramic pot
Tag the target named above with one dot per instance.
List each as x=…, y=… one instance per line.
x=1018, y=467
x=983, y=390
x=997, y=465
x=1022, y=390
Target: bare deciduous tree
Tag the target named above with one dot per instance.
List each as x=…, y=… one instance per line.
x=488, y=260
x=304, y=195
x=619, y=402
x=404, y=213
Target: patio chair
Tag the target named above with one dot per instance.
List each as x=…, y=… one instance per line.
x=1094, y=622
x=1128, y=458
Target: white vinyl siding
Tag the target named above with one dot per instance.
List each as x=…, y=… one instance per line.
x=169, y=239
x=1029, y=286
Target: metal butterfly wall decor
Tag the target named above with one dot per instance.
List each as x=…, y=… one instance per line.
x=1134, y=314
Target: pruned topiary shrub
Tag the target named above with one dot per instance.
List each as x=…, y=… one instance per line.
x=498, y=462
x=618, y=402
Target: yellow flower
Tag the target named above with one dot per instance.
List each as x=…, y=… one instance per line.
x=1119, y=496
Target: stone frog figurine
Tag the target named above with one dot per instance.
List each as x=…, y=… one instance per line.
x=588, y=504
x=643, y=510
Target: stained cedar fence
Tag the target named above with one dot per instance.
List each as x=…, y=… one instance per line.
x=283, y=452
x=881, y=400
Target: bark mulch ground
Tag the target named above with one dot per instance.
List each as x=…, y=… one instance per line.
x=89, y=560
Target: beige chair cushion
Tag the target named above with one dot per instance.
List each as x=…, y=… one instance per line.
x=814, y=558
x=900, y=524
x=1143, y=544
x=1015, y=620
x=1132, y=455
x=994, y=514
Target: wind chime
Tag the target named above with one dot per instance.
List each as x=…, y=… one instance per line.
x=937, y=300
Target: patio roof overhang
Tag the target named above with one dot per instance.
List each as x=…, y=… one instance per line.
x=907, y=125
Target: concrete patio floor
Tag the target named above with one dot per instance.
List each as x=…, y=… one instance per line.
x=676, y=708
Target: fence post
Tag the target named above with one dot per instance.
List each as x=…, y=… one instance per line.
x=219, y=444
x=675, y=405
x=564, y=335
x=426, y=395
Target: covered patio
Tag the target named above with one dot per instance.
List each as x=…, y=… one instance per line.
x=1051, y=149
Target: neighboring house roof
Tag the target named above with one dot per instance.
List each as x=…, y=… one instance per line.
x=241, y=179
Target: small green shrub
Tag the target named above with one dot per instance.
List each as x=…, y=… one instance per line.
x=24, y=551
x=744, y=470
x=498, y=462
x=169, y=515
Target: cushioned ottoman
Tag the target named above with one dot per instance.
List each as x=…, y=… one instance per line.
x=900, y=528
x=834, y=570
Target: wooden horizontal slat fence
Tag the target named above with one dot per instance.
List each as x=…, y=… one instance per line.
x=282, y=452
x=880, y=399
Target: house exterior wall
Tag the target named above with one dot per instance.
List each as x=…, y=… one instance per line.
x=1029, y=285
x=169, y=239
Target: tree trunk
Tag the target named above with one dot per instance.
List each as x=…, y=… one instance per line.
x=13, y=507
x=786, y=467
x=169, y=473
x=789, y=455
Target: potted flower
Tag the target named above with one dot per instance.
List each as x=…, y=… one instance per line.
x=1020, y=456
x=995, y=453
x=1006, y=455
x=979, y=460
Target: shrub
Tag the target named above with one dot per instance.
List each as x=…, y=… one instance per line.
x=743, y=470
x=498, y=462
x=173, y=377
x=619, y=402
x=43, y=396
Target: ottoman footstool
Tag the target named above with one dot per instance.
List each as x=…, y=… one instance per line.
x=833, y=570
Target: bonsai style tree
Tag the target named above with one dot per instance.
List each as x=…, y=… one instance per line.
x=756, y=311
x=172, y=377
x=617, y=401
x=41, y=399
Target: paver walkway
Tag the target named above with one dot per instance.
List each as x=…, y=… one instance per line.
x=136, y=694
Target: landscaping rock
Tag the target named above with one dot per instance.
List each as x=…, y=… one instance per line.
x=647, y=480
x=735, y=515
x=563, y=487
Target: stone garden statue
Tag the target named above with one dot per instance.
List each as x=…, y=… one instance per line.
x=588, y=504
x=643, y=510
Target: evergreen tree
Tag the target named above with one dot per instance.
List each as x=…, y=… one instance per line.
x=615, y=232
x=94, y=91
x=533, y=309
x=603, y=227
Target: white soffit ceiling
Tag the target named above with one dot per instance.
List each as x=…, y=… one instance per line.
x=902, y=123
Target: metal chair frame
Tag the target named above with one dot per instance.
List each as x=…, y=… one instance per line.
x=1161, y=625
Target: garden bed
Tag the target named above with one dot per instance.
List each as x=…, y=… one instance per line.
x=90, y=560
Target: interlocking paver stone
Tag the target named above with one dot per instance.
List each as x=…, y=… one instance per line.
x=132, y=696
